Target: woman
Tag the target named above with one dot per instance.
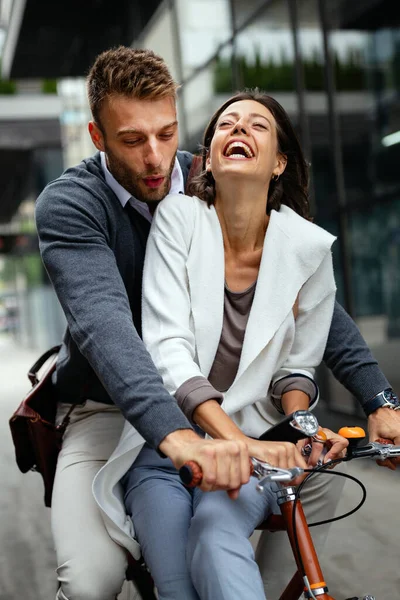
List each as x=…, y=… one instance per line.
x=238, y=296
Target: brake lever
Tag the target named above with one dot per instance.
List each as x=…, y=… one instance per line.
x=265, y=472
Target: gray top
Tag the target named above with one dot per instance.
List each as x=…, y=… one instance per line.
x=196, y=390
x=237, y=307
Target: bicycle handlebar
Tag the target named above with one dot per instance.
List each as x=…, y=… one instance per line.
x=191, y=473
x=380, y=450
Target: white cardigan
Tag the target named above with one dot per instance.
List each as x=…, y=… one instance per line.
x=183, y=299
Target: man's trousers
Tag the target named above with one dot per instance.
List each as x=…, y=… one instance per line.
x=91, y=566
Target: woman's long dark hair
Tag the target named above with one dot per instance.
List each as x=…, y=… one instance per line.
x=292, y=186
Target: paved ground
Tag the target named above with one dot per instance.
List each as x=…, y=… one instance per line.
x=27, y=557
x=362, y=555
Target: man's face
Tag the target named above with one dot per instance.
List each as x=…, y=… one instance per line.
x=140, y=139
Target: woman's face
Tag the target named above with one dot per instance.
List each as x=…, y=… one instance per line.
x=245, y=144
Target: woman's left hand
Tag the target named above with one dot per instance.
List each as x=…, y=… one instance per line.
x=334, y=447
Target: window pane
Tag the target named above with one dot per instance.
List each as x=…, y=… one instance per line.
x=265, y=53
x=366, y=41
x=203, y=26
x=244, y=10
x=203, y=94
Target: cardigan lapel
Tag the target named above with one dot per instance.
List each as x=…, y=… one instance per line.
x=292, y=253
x=206, y=274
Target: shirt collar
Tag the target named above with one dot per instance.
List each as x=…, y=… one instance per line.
x=177, y=185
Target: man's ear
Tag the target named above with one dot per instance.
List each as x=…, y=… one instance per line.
x=96, y=135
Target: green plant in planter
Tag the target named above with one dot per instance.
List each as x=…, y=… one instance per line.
x=223, y=80
x=349, y=74
x=268, y=76
x=313, y=74
x=274, y=76
x=7, y=86
x=49, y=86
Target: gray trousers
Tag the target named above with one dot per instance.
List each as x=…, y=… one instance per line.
x=197, y=545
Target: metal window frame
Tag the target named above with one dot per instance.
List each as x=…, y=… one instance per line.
x=337, y=155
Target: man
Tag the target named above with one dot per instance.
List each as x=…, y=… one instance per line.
x=93, y=223
x=92, y=240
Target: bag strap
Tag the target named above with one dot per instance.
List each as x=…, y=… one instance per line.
x=33, y=371
x=65, y=422
x=32, y=375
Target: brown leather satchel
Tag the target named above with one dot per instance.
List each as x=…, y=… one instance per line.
x=37, y=439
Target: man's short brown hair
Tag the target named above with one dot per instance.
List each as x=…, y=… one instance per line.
x=135, y=73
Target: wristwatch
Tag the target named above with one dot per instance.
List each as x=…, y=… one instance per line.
x=387, y=399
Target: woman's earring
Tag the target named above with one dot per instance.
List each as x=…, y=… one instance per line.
x=275, y=178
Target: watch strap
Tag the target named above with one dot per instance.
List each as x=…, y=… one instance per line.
x=387, y=398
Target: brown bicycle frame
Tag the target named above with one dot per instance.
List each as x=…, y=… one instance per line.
x=308, y=555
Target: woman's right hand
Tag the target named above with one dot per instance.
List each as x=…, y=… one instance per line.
x=284, y=455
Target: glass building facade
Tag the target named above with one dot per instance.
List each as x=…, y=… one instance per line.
x=335, y=67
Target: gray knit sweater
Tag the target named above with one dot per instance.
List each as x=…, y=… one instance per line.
x=93, y=252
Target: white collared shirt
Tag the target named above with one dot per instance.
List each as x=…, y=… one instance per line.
x=177, y=187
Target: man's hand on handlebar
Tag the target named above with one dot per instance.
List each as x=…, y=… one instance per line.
x=385, y=423
x=225, y=464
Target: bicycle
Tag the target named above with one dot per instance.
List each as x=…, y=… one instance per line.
x=308, y=579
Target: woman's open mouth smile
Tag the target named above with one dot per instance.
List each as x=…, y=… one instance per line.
x=238, y=150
